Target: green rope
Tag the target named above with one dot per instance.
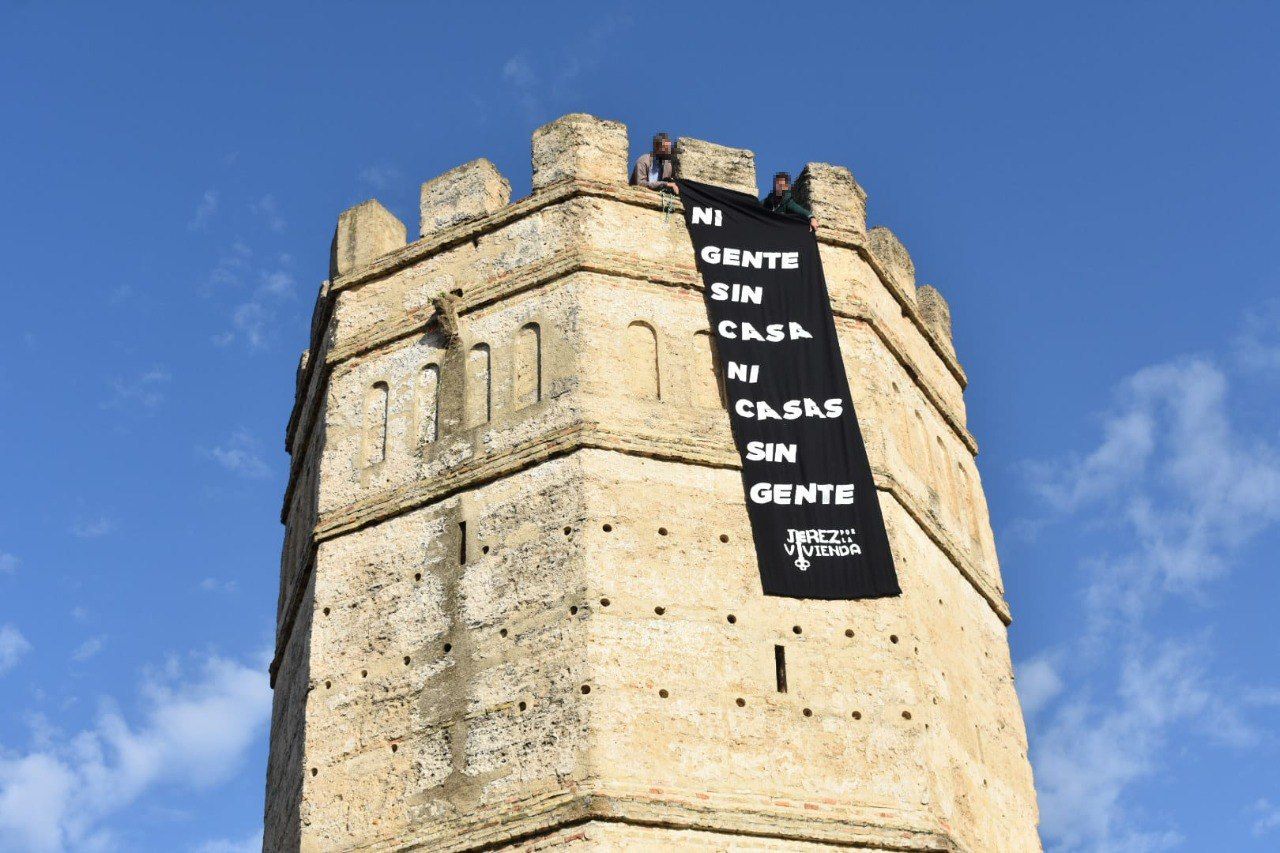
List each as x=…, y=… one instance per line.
x=668, y=205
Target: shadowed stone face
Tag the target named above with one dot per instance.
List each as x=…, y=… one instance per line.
x=893, y=256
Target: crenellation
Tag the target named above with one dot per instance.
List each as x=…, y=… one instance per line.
x=709, y=163
x=363, y=233
x=464, y=194
x=581, y=147
x=834, y=195
x=893, y=257
x=519, y=605
x=935, y=311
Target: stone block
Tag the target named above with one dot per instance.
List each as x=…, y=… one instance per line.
x=708, y=163
x=834, y=196
x=892, y=256
x=471, y=191
x=364, y=232
x=934, y=311
x=579, y=146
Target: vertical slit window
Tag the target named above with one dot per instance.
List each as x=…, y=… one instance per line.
x=780, y=667
x=429, y=404
x=640, y=359
x=375, y=423
x=527, y=380
x=479, y=385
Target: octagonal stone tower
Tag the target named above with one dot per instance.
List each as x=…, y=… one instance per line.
x=519, y=605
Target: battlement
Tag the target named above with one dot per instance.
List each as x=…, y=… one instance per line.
x=585, y=150
x=581, y=155
x=518, y=597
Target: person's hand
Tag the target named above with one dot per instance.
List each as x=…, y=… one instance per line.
x=813, y=225
x=672, y=186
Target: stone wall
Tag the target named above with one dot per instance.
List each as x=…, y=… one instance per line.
x=519, y=602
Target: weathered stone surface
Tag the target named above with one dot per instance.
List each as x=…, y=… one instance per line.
x=709, y=163
x=579, y=146
x=363, y=233
x=934, y=310
x=470, y=191
x=893, y=257
x=519, y=604
x=834, y=196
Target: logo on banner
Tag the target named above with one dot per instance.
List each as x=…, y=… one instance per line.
x=803, y=544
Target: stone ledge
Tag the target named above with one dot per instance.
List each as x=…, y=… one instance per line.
x=689, y=449
x=798, y=820
x=692, y=450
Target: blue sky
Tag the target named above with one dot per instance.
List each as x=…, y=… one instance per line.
x=1092, y=186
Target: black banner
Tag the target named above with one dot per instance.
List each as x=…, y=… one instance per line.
x=813, y=506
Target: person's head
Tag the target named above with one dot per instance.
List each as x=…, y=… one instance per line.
x=781, y=182
x=662, y=145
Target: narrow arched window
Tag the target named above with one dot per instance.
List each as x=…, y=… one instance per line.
x=920, y=446
x=969, y=507
x=527, y=369
x=375, y=423
x=479, y=386
x=708, y=376
x=427, y=406
x=640, y=362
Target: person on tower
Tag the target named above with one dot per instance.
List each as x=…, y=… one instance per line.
x=655, y=169
x=782, y=201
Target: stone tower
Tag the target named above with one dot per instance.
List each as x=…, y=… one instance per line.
x=519, y=604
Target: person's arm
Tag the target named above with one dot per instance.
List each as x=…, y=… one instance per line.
x=797, y=208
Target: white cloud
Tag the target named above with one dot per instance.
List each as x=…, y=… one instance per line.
x=241, y=455
x=92, y=528
x=519, y=73
x=1266, y=817
x=382, y=176
x=1181, y=489
x=1257, y=346
x=251, y=320
x=88, y=649
x=204, y=212
x=231, y=268
x=269, y=210
x=251, y=843
x=1175, y=475
x=1038, y=683
x=144, y=391
x=12, y=647
x=537, y=91
x=195, y=732
x=218, y=585
x=8, y=563
x=1103, y=739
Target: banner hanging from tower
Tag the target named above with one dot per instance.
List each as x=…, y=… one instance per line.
x=815, y=516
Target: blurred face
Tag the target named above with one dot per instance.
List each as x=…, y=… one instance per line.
x=780, y=185
x=662, y=147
